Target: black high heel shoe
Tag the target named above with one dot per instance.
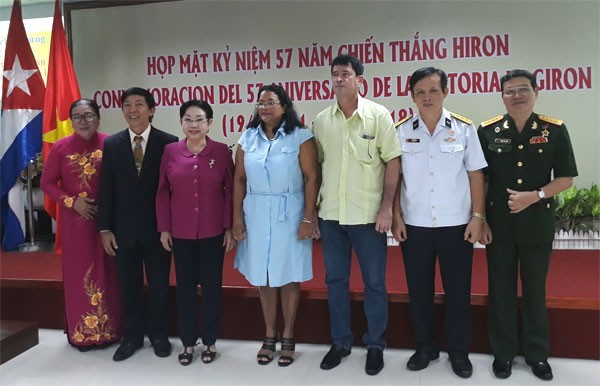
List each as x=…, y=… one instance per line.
x=269, y=345
x=287, y=344
x=187, y=356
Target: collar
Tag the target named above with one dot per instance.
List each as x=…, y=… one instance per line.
x=445, y=122
x=360, y=107
x=188, y=153
x=79, y=139
x=530, y=125
x=279, y=132
x=145, y=134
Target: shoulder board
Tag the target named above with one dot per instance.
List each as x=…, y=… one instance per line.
x=403, y=120
x=462, y=119
x=554, y=121
x=492, y=120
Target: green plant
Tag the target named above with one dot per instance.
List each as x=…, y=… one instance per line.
x=578, y=209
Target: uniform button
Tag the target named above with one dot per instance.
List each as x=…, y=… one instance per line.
x=430, y=157
x=195, y=194
x=195, y=166
x=520, y=147
x=195, y=180
x=548, y=205
x=433, y=190
x=431, y=173
x=519, y=164
x=491, y=203
x=432, y=206
x=499, y=150
x=196, y=209
x=434, y=219
x=519, y=181
x=195, y=156
x=540, y=150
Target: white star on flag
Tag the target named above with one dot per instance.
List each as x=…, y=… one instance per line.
x=17, y=77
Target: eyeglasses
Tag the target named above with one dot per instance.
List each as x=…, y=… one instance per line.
x=89, y=117
x=266, y=105
x=519, y=90
x=188, y=121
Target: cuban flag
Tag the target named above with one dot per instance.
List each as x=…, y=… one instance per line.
x=20, y=126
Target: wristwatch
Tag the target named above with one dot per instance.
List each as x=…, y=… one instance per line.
x=541, y=193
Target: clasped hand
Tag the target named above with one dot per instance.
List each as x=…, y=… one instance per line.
x=85, y=207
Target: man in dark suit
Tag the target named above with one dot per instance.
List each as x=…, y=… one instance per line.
x=127, y=222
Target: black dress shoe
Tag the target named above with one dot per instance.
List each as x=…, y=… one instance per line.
x=502, y=369
x=419, y=360
x=162, y=347
x=334, y=357
x=374, y=361
x=125, y=350
x=461, y=365
x=541, y=369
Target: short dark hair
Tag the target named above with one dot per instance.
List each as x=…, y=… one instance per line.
x=425, y=72
x=344, y=60
x=518, y=74
x=85, y=101
x=141, y=92
x=290, y=116
x=196, y=103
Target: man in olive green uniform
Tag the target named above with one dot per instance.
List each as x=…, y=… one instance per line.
x=523, y=151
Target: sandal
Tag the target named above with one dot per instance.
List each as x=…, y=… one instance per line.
x=269, y=345
x=186, y=357
x=207, y=355
x=287, y=344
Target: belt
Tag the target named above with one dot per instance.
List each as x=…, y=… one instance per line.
x=283, y=202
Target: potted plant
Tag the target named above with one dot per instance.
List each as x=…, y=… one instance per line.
x=578, y=210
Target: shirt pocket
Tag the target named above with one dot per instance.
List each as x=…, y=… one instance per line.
x=362, y=147
x=499, y=151
x=540, y=157
x=252, y=155
x=286, y=153
x=453, y=155
x=413, y=156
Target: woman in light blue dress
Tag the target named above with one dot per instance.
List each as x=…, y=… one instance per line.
x=276, y=183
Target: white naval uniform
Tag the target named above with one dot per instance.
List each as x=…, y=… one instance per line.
x=435, y=185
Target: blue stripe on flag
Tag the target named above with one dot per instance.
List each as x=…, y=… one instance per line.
x=23, y=149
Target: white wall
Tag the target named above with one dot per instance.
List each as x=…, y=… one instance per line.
x=112, y=49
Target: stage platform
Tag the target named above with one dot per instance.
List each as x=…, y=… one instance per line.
x=31, y=290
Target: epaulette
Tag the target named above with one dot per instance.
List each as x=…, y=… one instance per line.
x=403, y=120
x=462, y=119
x=492, y=120
x=554, y=121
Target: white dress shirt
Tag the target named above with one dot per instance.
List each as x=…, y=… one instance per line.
x=144, y=136
x=435, y=186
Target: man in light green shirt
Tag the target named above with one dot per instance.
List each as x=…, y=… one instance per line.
x=359, y=151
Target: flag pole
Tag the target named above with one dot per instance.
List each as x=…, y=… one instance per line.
x=32, y=245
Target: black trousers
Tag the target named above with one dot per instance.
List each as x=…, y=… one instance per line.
x=131, y=263
x=455, y=255
x=199, y=261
